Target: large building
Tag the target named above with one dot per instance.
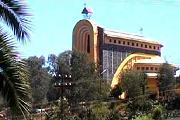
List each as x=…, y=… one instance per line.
x=115, y=51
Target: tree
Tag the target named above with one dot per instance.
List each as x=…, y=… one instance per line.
x=85, y=85
x=166, y=79
x=134, y=83
x=14, y=85
x=57, y=66
x=39, y=78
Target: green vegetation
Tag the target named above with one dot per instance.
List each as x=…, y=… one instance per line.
x=84, y=95
x=89, y=96
x=166, y=80
x=14, y=84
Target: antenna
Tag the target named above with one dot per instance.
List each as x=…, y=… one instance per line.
x=85, y=3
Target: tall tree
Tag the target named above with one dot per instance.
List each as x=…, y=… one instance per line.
x=14, y=85
x=85, y=79
x=39, y=78
x=166, y=79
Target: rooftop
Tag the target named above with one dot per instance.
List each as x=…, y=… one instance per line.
x=124, y=35
x=130, y=36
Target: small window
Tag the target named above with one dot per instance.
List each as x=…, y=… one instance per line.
x=145, y=46
x=119, y=42
x=138, y=68
x=132, y=44
x=142, y=68
x=110, y=40
x=156, y=69
x=114, y=41
x=137, y=44
x=147, y=68
x=154, y=47
x=88, y=44
x=123, y=42
x=151, y=68
x=141, y=45
x=158, y=48
x=150, y=47
x=127, y=43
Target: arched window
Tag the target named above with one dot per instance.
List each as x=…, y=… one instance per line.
x=88, y=44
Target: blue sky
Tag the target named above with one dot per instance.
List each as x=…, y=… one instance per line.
x=53, y=22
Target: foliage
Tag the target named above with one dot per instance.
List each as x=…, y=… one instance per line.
x=96, y=111
x=166, y=79
x=116, y=91
x=56, y=110
x=134, y=82
x=14, y=85
x=157, y=112
x=14, y=14
x=86, y=84
x=39, y=78
x=143, y=117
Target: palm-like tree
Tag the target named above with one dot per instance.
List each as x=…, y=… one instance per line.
x=14, y=86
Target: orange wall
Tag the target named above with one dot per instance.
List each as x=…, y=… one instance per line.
x=152, y=85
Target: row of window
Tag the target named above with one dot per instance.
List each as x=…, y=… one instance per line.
x=134, y=44
x=147, y=68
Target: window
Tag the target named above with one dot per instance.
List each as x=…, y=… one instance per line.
x=119, y=42
x=137, y=44
x=138, y=68
x=145, y=46
x=110, y=40
x=154, y=47
x=132, y=44
x=150, y=47
x=127, y=43
x=141, y=45
x=151, y=68
x=114, y=41
x=123, y=42
x=142, y=68
x=156, y=68
x=158, y=48
x=147, y=68
x=88, y=44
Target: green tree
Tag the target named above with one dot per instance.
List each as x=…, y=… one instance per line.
x=166, y=79
x=85, y=80
x=14, y=85
x=84, y=76
x=39, y=78
x=58, y=65
x=134, y=83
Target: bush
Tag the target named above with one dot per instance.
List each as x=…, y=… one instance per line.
x=143, y=117
x=157, y=112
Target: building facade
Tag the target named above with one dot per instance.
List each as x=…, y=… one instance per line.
x=115, y=51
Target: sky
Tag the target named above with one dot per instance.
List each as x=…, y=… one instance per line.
x=53, y=22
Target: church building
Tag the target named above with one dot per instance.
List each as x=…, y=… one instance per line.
x=116, y=51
